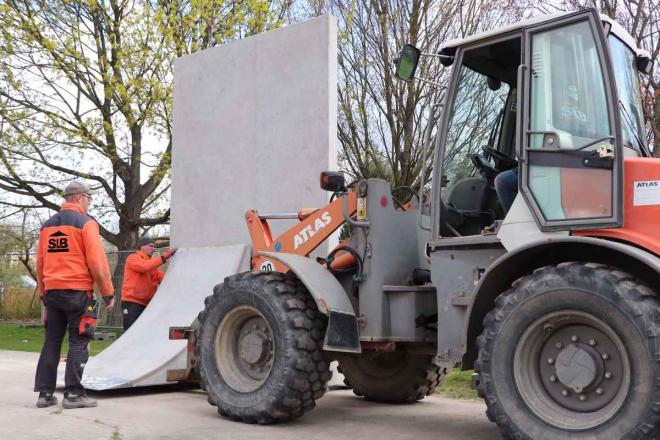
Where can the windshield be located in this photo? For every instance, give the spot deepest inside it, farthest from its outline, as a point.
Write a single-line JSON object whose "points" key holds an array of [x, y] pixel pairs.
{"points": [[630, 96], [474, 124], [568, 93]]}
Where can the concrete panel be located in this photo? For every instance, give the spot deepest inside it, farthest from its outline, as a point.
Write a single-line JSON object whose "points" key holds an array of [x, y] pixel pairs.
{"points": [[254, 125], [143, 354]]}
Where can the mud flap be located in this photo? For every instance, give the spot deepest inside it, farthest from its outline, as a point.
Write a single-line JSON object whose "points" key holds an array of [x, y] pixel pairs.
{"points": [[342, 333]]}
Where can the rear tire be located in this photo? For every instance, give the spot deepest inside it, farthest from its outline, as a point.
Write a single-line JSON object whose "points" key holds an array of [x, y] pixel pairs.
{"points": [[260, 343], [391, 377], [572, 351]]}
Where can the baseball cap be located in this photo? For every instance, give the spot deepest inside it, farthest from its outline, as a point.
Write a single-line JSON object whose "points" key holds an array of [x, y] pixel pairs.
{"points": [[75, 187], [145, 240]]}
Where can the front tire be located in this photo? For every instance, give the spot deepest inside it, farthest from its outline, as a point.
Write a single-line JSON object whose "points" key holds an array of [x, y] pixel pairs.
{"points": [[571, 351], [260, 343]]}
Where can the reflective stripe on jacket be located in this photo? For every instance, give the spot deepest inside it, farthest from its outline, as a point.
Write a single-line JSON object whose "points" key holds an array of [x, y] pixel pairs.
{"points": [[70, 254], [141, 278]]}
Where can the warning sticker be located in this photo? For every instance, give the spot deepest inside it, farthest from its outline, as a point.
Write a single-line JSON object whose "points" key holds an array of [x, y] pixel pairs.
{"points": [[647, 192]]}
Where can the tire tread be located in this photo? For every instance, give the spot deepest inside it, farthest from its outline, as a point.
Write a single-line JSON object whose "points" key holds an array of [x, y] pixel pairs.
{"points": [[307, 369], [640, 299]]}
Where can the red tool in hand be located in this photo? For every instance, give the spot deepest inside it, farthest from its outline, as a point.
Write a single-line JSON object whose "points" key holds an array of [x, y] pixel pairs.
{"points": [[88, 320]]}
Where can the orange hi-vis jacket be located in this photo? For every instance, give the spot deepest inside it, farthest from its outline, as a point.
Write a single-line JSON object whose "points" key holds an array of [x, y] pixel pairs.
{"points": [[141, 278], [70, 254]]}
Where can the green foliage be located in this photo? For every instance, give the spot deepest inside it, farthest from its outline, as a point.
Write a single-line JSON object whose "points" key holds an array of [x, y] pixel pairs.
{"points": [[10, 268], [457, 385], [10, 275], [10, 272], [83, 83], [8, 242]]}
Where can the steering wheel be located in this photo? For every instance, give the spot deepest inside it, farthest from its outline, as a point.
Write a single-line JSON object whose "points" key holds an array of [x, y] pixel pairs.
{"points": [[484, 166], [503, 162], [488, 170]]}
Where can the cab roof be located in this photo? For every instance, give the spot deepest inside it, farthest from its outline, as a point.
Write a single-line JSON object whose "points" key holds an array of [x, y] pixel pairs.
{"points": [[616, 29]]}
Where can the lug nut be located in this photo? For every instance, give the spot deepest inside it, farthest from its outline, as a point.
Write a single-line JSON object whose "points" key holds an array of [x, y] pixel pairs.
{"points": [[583, 397], [553, 378], [564, 393], [608, 375], [574, 338], [599, 391], [551, 361], [605, 356], [558, 345], [592, 342]]}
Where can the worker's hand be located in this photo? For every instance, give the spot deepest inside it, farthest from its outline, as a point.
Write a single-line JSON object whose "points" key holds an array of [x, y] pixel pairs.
{"points": [[109, 304], [169, 253]]}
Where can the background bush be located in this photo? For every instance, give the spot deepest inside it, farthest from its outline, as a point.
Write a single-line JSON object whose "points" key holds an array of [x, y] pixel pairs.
{"points": [[21, 304]]}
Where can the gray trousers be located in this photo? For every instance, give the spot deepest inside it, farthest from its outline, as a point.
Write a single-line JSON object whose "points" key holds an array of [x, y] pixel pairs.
{"points": [[64, 309]]}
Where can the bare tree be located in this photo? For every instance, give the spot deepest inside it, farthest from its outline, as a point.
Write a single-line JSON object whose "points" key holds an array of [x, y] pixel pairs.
{"points": [[382, 120]]}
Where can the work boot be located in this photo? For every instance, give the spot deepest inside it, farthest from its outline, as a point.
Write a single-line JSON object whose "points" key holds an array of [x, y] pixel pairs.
{"points": [[73, 401], [46, 399]]}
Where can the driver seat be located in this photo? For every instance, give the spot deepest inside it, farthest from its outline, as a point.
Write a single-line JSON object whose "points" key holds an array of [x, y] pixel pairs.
{"points": [[472, 205]]}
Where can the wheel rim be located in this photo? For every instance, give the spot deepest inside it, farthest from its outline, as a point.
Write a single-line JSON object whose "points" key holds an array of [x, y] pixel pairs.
{"points": [[572, 370], [244, 349]]}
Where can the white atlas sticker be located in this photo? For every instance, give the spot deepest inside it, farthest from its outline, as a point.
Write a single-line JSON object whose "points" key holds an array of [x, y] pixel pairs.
{"points": [[647, 192], [267, 266]]}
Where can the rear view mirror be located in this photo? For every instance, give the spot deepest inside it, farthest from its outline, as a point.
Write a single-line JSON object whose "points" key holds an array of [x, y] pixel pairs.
{"points": [[332, 181], [644, 64], [406, 62]]}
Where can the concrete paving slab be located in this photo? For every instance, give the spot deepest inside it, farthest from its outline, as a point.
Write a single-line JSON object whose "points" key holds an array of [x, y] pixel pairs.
{"points": [[173, 412]]}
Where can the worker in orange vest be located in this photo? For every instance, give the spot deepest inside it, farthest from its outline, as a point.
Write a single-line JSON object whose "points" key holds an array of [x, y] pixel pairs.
{"points": [[70, 260], [141, 279]]}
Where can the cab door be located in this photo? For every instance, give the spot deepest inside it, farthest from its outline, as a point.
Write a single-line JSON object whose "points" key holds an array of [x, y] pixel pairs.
{"points": [[569, 132]]}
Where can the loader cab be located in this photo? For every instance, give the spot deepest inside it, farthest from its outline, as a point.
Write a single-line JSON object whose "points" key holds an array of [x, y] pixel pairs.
{"points": [[559, 96]]}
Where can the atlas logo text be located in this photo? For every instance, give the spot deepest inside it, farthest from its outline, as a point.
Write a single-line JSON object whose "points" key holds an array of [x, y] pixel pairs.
{"points": [[309, 231]]}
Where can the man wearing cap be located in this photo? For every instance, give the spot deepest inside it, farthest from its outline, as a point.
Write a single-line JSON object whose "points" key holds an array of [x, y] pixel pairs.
{"points": [[70, 260], [141, 279]]}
